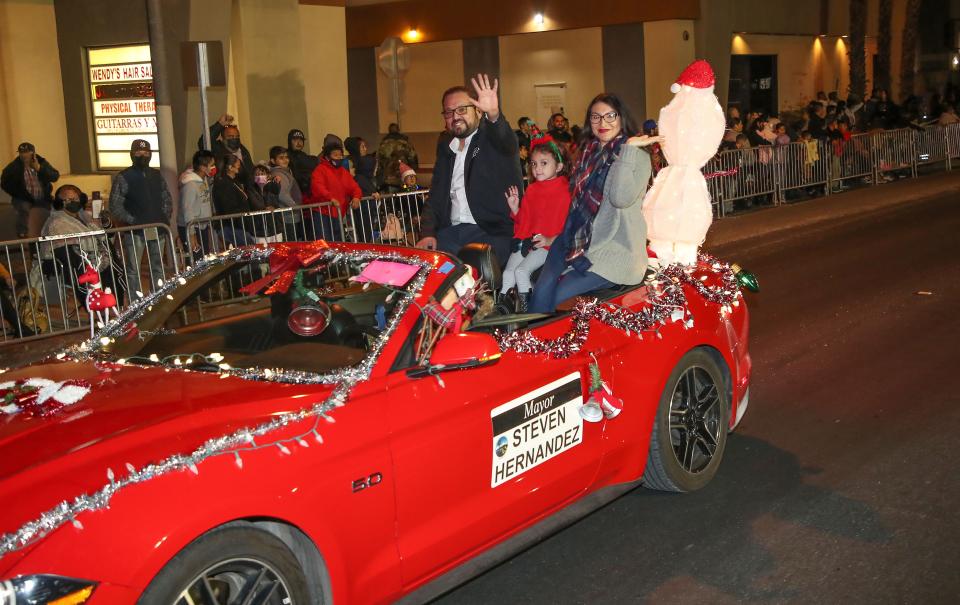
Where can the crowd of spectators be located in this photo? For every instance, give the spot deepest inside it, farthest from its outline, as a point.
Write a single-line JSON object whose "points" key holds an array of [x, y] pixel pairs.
{"points": [[225, 179]]}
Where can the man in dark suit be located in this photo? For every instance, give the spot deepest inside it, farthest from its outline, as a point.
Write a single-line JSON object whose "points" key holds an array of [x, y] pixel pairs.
{"points": [[474, 169]]}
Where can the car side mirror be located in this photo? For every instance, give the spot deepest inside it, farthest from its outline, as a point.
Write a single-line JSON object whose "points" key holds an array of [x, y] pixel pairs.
{"points": [[459, 352]]}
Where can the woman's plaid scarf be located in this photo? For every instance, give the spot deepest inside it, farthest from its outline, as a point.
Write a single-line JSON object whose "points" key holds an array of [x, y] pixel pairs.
{"points": [[586, 193]]}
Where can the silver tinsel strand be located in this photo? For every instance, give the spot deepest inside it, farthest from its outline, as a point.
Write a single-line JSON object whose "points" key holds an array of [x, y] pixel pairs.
{"points": [[666, 298], [243, 439]]}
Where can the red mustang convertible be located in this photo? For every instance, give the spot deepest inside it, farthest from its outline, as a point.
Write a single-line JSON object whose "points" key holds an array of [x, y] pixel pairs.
{"points": [[336, 423]]}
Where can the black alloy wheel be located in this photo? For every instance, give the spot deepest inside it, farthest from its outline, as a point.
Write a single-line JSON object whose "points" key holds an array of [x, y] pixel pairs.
{"points": [[235, 564], [247, 581], [690, 430]]}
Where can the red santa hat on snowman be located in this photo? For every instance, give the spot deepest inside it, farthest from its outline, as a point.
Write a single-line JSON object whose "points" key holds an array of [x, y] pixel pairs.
{"points": [[698, 74]]}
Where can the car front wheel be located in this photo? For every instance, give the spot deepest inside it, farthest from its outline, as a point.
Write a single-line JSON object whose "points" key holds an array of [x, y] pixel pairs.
{"points": [[231, 565], [690, 430]]}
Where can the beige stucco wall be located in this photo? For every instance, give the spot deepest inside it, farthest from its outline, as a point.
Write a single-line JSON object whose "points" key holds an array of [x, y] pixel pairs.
{"points": [[805, 64], [572, 56], [665, 55], [267, 67], [323, 38], [31, 97], [434, 67], [207, 23]]}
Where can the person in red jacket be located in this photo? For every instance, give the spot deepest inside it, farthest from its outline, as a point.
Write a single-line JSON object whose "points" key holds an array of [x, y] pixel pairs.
{"points": [[539, 219], [331, 182]]}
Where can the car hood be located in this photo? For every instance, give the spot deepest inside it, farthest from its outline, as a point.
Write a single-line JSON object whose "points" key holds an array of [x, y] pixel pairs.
{"points": [[132, 415]]}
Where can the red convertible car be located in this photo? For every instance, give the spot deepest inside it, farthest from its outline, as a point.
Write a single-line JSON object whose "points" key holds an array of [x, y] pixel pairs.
{"points": [[335, 423]]}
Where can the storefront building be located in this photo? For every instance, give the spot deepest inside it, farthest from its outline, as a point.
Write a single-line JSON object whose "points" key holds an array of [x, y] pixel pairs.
{"points": [[78, 77]]}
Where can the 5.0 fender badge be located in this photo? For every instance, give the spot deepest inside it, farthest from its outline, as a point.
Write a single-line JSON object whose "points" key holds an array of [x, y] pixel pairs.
{"points": [[369, 481]]}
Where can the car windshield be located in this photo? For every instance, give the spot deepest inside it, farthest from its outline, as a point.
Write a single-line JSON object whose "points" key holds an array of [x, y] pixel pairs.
{"points": [[236, 314]]}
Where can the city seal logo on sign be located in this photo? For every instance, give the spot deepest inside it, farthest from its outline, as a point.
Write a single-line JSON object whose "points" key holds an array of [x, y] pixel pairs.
{"points": [[536, 427]]}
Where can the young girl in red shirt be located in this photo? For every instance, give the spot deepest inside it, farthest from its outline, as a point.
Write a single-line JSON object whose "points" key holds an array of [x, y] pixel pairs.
{"points": [[539, 219]]}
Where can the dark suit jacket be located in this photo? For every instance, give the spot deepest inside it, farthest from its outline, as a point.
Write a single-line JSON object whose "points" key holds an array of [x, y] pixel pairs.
{"points": [[492, 165]]}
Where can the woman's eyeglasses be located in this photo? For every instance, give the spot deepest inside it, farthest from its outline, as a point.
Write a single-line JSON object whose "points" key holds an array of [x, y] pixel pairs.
{"points": [[609, 117], [462, 110]]}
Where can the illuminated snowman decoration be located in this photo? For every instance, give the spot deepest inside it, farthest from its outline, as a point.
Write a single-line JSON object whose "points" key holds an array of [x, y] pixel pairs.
{"points": [[677, 207]]}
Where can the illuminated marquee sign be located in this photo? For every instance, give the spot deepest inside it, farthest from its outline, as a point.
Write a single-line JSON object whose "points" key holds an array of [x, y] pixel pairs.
{"points": [[122, 104]]}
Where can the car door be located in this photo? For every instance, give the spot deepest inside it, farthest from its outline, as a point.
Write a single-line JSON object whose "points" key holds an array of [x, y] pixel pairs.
{"points": [[480, 453]]}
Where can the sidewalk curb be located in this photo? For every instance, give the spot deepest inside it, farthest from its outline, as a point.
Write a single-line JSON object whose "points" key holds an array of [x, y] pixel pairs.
{"points": [[838, 206]]}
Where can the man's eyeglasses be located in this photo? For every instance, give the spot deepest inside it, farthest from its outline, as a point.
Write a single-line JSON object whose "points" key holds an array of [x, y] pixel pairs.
{"points": [[462, 110], [609, 117]]}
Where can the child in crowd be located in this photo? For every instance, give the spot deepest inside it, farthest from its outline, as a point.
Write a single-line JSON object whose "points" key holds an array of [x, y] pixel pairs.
{"points": [[196, 204], [408, 176], [287, 195], [539, 220], [782, 137]]}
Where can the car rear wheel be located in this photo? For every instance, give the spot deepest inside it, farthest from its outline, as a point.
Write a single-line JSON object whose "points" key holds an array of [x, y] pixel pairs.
{"points": [[690, 430], [231, 565]]}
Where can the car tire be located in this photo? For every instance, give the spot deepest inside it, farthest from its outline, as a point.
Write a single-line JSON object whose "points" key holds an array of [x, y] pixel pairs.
{"points": [[224, 565], [685, 453]]}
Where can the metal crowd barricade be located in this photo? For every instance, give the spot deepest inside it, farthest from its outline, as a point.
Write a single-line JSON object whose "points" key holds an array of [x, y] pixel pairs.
{"points": [[743, 174], [952, 132], [389, 219], [45, 297], [222, 232], [855, 160], [895, 152], [713, 186], [931, 146], [800, 167]]}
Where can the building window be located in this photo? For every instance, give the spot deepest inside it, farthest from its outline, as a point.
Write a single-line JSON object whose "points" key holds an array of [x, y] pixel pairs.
{"points": [[122, 103]]}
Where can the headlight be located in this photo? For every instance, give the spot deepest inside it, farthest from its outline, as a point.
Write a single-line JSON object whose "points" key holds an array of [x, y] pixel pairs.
{"points": [[45, 589]]}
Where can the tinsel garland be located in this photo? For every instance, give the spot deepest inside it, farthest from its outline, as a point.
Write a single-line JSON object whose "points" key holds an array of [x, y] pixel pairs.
{"points": [[667, 301], [243, 439]]}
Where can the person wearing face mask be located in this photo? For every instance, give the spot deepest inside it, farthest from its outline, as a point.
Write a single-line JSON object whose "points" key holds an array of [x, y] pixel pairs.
{"points": [[331, 182], [140, 197], [65, 256], [301, 162], [225, 139], [195, 203]]}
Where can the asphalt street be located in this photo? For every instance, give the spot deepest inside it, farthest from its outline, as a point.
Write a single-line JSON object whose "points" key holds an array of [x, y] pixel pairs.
{"points": [[841, 484]]}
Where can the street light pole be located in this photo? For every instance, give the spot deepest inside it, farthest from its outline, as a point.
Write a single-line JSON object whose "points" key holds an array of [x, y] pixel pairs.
{"points": [[161, 91]]}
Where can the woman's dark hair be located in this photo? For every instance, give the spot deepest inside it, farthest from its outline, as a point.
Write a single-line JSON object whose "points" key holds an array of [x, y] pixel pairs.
{"points": [[57, 203], [628, 124], [227, 160], [201, 158]]}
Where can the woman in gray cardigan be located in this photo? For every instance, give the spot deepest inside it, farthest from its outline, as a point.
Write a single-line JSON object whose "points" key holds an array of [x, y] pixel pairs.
{"points": [[604, 241]]}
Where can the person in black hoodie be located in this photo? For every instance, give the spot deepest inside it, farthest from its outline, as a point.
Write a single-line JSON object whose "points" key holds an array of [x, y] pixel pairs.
{"points": [[301, 162], [139, 196], [473, 170], [225, 139]]}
